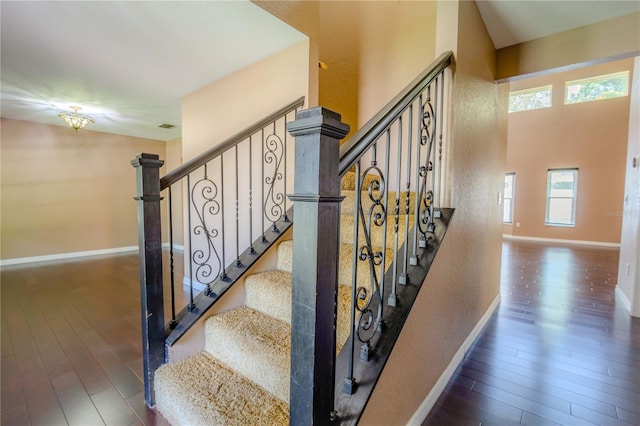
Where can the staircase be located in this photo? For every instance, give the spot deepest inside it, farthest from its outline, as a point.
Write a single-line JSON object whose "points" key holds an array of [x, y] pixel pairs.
{"points": [[393, 181], [242, 375]]}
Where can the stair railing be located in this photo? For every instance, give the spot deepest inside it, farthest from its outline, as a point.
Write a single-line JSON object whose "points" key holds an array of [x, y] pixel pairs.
{"points": [[397, 162], [233, 205]]}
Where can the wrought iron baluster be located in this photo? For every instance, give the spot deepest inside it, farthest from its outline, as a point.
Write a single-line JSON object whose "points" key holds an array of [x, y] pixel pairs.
{"points": [[172, 322], [191, 306], [274, 200], [424, 221], [350, 381], [238, 263], [441, 118], [396, 278], [223, 274], [434, 209], [262, 204], [368, 321], [285, 217], [414, 257], [252, 250], [405, 258]]}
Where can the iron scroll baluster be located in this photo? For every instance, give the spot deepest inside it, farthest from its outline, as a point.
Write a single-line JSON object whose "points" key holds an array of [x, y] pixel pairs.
{"points": [[207, 261]]}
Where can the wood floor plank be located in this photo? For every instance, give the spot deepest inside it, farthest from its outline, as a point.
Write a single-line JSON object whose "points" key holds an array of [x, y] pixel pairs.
{"points": [[76, 404], [560, 346]]}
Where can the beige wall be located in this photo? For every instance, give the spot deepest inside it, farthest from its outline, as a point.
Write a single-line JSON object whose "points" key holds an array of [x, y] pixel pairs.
{"points": [[591, 136], [66, 192], [629, 269], [397, 43], [615, 38], [464, 279], [303, 16], [225, 107], [172, 161]]}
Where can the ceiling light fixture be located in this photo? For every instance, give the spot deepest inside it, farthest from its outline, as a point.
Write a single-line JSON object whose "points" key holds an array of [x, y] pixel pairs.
{"points": [[74, 119]]}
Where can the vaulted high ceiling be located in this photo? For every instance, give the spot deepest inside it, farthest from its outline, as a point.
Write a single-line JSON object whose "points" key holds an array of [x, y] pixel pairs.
{"points": [[129, 63]]}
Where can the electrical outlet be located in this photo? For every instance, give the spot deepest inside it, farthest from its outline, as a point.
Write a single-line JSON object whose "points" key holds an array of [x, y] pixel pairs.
{"points": [[517, 224], [636, 161]]}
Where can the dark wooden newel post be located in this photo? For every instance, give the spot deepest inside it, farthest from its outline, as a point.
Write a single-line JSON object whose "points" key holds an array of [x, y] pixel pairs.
{"points": [[150, 243], [316, 221]]}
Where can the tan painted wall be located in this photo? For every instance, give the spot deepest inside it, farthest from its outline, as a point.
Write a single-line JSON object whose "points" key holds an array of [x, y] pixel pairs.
{"points": [[615, 38], [397, 43], [64, 192], [303, 16], [173, 160], [225, 107], [464, 279], [629, 279], [591, 136]]}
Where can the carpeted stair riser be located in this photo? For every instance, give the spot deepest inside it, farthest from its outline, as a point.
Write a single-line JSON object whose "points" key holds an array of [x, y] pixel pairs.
{"points": [[254, 345], [202, 391], [345, 271], [262, 287], [346, 231], [347, 207]]}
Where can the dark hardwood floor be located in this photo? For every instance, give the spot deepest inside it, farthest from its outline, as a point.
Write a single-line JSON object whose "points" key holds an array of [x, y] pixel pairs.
{"points": [[559, 350], [71, 348]]}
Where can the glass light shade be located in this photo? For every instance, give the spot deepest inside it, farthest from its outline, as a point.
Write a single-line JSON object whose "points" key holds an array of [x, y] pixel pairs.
{"points": [[74, 119]]}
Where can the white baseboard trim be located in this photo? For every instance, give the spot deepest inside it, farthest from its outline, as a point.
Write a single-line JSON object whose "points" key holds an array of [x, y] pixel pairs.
{"points": [[197, 286], [176, 247], [423, 411], [560, 241], [65, 256], [625, 300]]}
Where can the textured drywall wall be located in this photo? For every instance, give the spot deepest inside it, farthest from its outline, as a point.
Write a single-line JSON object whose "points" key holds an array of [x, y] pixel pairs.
{"points": [[591, 136], [629, 268], [66, 192], [465, 277], [614, 38]]}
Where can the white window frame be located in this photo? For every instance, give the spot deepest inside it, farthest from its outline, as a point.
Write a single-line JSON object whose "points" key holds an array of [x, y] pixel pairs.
{"points": [[529, 91], [569, 84], [505, 197], [573, 197]]}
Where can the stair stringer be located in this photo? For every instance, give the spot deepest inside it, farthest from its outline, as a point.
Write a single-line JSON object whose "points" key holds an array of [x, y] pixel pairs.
{"points": [[193, 341]]}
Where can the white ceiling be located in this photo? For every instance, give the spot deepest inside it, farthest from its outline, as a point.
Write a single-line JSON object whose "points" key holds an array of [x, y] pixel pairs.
{"points": [[129, 63], [511, 22], [126, 63]]}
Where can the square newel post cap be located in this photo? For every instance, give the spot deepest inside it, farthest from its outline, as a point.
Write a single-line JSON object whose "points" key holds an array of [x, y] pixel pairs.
{"points": [[147, 160], [318, 120]]}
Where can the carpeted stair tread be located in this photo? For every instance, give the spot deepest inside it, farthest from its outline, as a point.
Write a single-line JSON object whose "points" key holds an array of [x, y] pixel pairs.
{"points": [[200, 390], [346, 231], [254, 345], [347, 207], [285, 255], [270, 293]]}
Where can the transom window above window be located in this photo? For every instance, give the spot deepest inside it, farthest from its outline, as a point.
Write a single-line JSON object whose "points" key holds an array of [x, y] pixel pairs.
{"points": [[596, 88], [525, 100]]}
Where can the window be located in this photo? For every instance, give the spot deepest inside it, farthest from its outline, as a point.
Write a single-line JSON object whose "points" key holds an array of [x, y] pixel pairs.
{"points": [[507, 213], [524, 100], [596, 88], [562, 187]]}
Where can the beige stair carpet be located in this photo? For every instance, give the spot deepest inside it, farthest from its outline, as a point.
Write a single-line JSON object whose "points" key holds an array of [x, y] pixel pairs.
{"points": [[345, 267], [254, 345], [202, 391], [270, 293]]}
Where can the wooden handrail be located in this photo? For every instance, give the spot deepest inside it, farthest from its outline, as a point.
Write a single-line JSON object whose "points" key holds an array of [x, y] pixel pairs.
{"points": [[362, 140], [196, 162]]}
